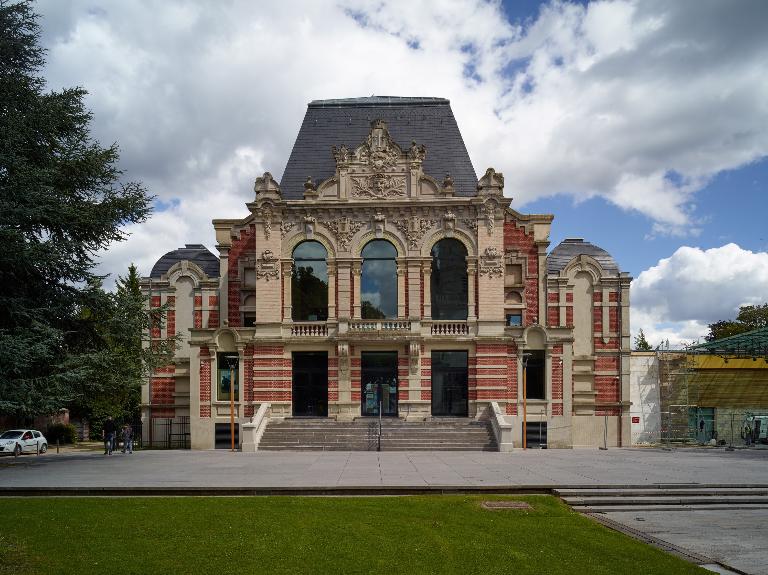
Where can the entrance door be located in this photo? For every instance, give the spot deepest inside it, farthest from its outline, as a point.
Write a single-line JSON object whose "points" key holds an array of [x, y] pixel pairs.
{"points": [[449, 383], [310, 384], [378, 382]]}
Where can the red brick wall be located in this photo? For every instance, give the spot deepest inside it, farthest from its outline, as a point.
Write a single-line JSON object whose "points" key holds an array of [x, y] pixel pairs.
{"points": [[275, 380], [354, 376], [516, 238], [205, 382], [426, 377], [163, 387], [197, 313], [333, 378], [511, 379], [243, 245], [248, 410], [213, 311]]}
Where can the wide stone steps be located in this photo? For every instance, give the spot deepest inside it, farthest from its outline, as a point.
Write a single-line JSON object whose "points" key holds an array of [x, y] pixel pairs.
{"points": [[665, 499], [362, 435]]}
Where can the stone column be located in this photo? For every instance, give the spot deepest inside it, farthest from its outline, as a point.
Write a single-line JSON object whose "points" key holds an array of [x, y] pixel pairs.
{"points": [[426, 274], [287, 277], [332, 290], [401, 271], [223, 283], [357, 272], [342, 286], [471, 296]]}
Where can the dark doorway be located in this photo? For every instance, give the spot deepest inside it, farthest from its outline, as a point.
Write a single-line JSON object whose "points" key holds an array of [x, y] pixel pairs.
{"points": [[535, 385], [378, 382], [310, 384], [450, 382]]}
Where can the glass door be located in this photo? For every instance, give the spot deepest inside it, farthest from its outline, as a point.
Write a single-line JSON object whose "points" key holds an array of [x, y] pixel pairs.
{"points": [[450, 383], [378, 383], [310, 384]]}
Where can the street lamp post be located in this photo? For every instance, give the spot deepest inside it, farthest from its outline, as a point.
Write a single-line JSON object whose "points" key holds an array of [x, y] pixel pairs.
{"points": [[232, 361], [525, 399]]}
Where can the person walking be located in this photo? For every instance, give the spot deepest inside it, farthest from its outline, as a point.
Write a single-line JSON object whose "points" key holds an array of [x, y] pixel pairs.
{"points": [[127, 438], [109, 436]]}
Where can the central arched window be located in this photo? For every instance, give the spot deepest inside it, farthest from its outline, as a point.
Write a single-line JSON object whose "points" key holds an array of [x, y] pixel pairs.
{"points": [[448, 287], [378, 284], [309, 286]]}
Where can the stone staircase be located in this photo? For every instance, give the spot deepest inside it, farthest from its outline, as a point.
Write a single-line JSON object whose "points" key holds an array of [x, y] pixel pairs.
{"points": [[438, 434], [673, 497]]}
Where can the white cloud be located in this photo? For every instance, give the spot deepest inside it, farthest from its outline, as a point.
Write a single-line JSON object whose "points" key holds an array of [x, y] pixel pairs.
{"points": [[639, 102], [677, 298]]}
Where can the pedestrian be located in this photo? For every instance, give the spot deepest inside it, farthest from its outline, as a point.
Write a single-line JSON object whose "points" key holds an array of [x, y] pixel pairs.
{"points": [[127, 438], [109, 436], [748, 435]]}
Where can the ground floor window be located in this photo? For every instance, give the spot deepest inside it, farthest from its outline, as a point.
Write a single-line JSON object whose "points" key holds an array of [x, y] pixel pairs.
{"points": [[450, 383], [378, 383], [535, 375], [228, 365], [310, 384]]}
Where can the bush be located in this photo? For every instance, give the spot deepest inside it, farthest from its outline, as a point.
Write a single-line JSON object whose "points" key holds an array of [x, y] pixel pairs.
{"points": [[64, 432]]}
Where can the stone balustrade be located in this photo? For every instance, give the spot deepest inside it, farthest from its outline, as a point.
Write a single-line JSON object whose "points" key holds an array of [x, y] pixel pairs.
{"points": [[377, 325], [309, 329], [452, 328]]}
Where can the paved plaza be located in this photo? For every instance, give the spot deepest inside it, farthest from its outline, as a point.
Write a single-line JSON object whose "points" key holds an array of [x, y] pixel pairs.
{"points": [[731, 536], [531, 468]]}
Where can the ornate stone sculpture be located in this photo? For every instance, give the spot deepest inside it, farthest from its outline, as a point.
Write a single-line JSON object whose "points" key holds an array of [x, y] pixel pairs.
{"points": [[267, 215], [266, 267], [490, 216], [285, 228], [378, 186], [344, 229], [414, 229], [491, 263]]}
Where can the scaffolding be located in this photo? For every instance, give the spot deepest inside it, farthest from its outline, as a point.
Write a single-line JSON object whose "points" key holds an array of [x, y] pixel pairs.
{"points": [[704, 399]]}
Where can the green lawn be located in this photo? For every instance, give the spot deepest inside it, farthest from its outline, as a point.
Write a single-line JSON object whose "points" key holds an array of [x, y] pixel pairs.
{"points": [[433, 534]]}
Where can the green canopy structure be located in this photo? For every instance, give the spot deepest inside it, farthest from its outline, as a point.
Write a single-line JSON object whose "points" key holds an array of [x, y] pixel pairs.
{"points": [[751, 344]]}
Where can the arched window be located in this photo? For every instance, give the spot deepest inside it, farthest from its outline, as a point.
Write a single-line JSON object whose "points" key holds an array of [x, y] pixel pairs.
{"points": [[309, 286], [378, 284], [449, 280]]}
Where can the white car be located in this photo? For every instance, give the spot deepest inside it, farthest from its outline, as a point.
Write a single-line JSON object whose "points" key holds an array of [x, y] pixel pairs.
{"points": [[18, 441]]}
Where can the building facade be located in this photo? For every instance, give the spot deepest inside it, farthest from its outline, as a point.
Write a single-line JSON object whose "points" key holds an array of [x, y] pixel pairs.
{"points": [[381, 275]]}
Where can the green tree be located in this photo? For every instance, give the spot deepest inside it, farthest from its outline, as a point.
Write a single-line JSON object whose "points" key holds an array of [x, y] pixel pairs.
{"points": [[641, 344], [749, 317], [62, 199]]}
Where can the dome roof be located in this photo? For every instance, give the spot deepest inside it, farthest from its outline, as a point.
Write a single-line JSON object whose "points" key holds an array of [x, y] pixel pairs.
{"points": [[196, 253], [570, 248]]}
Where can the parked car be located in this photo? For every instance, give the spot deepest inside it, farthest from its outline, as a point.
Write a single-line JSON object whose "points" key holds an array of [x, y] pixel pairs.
{"points": [[18, 441]]}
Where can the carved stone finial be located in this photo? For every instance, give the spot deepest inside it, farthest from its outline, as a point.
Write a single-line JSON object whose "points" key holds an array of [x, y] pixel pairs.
{"points": [[266, 186], [341, 155], [448, 181], [416, 154], [310, 190], [492, 183]]}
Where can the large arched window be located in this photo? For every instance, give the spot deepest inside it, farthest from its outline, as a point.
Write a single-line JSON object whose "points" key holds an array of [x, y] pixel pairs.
{"points": [[309, 286], [449, 280], [378, 284]]}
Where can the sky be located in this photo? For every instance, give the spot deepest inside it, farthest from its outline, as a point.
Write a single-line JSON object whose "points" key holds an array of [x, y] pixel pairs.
{"points": [[641, 125]]}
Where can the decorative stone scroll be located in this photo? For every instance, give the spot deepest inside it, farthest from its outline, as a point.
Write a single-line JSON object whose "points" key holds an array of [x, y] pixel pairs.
{"points": [[490, 216], [491, 263], [449, 223], [413, 357], [344, 229], [285, 228], [267, 266], [414, 229], [267, 215], [309, 225]]}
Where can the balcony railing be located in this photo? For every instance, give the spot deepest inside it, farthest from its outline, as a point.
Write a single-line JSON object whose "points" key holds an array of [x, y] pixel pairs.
{"points": [[309, 329], [375, 325], [442, 327]]}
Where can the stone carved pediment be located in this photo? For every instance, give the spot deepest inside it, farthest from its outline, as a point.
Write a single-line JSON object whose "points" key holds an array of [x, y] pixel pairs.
{"points": [[344, 229], [378, 167]]}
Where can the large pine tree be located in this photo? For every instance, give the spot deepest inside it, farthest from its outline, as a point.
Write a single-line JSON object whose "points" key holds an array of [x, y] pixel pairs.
{"points": [[62, 199]]}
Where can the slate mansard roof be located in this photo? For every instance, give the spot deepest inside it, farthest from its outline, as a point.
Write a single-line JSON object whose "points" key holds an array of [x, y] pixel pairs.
{"points": [[196, 253], [570, 248], [427, 121]]}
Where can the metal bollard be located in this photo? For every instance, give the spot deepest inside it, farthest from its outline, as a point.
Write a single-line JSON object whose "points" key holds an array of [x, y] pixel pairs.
{"points": [[57, 445]]}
